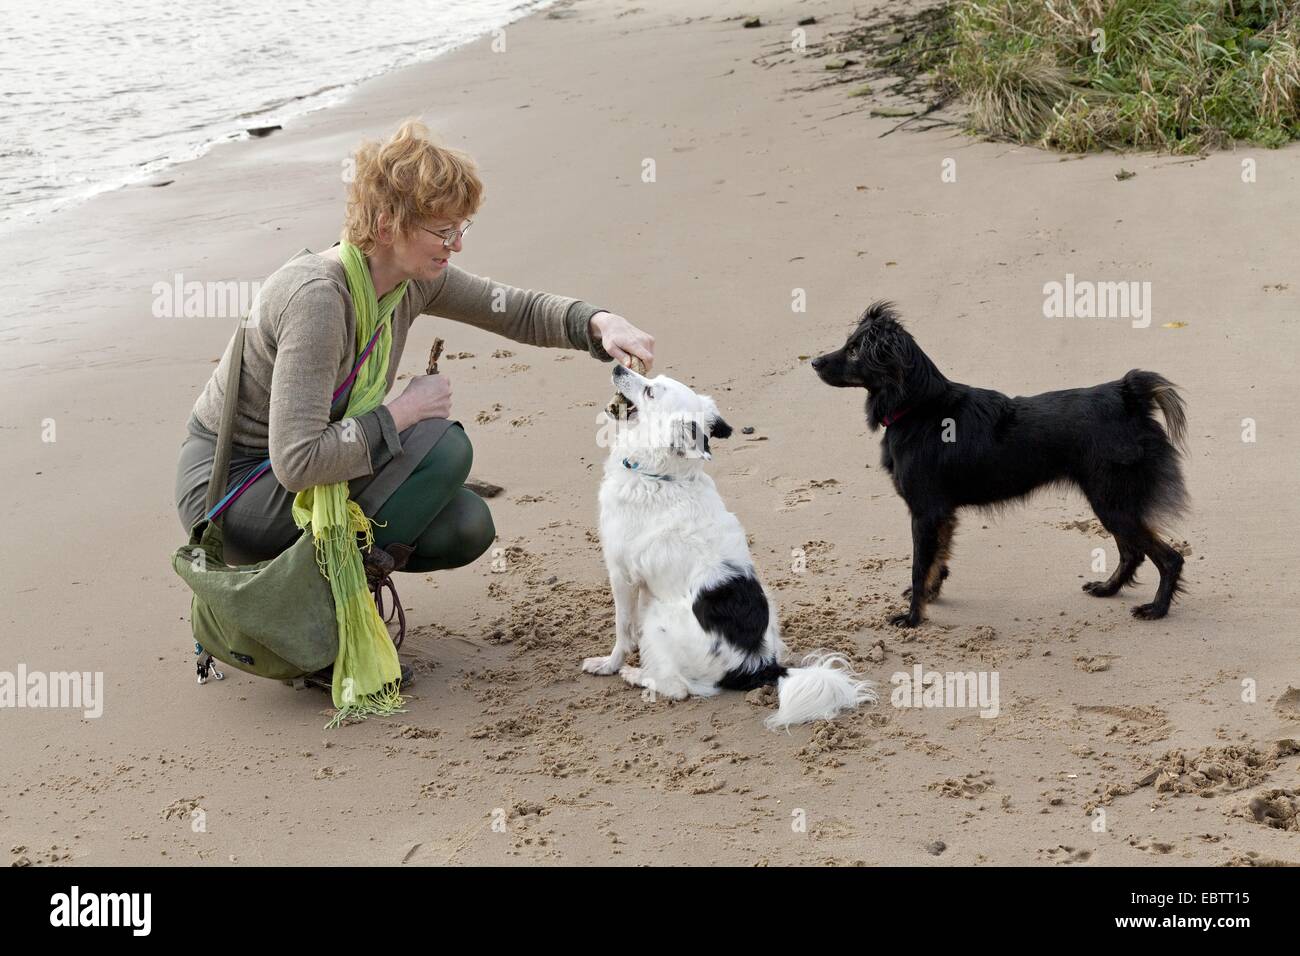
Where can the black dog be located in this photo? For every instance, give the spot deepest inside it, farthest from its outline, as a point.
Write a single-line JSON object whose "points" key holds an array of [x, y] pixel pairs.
{"points": [[948, 445]]}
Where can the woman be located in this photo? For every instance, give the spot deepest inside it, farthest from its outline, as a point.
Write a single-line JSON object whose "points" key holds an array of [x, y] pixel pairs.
{"points": [[404, 462]]}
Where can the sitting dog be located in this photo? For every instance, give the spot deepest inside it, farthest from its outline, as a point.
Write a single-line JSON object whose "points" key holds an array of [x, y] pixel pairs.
{"points": [[685, 590], [947, 446]]}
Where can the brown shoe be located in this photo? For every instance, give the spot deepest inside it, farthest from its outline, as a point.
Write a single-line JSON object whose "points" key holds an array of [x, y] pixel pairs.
{"points": [[378, 565], [401, 553], [379, 562]]}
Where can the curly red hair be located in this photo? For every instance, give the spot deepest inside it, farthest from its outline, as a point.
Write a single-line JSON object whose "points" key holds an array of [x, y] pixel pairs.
{"points": [[409, 178]]}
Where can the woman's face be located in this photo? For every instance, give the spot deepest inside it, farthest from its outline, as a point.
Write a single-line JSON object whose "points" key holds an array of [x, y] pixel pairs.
{"points": [[420, 254]]}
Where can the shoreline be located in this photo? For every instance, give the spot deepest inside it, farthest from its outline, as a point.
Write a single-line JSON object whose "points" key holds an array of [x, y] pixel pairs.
{"points": [[323, 98], [762, 190]]}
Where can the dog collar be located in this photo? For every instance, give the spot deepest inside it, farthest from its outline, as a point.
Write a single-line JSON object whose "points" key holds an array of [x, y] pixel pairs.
{"points": [[890, 419], [645, 474]]}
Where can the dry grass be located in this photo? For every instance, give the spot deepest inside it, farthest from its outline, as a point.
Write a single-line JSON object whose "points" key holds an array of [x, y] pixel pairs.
{"points": [[1077, 75]]}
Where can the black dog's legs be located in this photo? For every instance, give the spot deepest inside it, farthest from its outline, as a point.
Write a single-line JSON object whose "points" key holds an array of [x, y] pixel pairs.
{"points": [[926, 536], [1170, 563], [1130, 556], [1136, 539], [938, 572]]}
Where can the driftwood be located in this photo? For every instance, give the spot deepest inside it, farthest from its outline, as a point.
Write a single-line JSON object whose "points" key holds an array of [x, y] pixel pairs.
{"points": [[484, 489], [435, 353]]}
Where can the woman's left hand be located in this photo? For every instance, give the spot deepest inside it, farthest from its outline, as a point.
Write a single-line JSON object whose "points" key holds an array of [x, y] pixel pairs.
{"points": [[621, 339]]}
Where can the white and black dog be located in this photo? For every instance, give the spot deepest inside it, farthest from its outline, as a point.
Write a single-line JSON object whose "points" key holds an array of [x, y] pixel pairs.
{"points": [[685, 590]]}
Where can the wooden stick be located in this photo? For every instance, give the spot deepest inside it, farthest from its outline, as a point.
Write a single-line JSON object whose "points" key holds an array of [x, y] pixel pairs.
{"points": [[434, 354], [617, 407]]}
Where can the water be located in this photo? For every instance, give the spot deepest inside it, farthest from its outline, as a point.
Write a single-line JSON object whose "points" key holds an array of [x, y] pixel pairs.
{"points": [[94, 95]]}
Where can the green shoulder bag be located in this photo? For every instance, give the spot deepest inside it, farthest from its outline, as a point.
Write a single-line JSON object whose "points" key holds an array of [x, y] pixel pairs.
{"points": [[275, 618]]}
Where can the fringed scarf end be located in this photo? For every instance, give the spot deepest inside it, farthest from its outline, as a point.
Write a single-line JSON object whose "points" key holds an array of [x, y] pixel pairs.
{"points": [[382, 703]]}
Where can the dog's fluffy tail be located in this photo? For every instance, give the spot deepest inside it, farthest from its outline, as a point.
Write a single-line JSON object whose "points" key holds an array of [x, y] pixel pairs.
{"points": [[820, 688], [1150, 387]]}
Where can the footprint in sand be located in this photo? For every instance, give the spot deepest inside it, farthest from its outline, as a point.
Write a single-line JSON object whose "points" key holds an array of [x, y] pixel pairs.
{"points": [[801, 492], [1086, 525], [1095, 663], [1066, 855], [968, 787], [1277, 808], [1288, 705], [1151, 845], [182, 809], [796, 498], [1253, 858]]}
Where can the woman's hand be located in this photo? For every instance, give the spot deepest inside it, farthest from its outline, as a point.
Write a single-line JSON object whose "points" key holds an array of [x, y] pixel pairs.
{"points": [[621, 339], [425, 396]]}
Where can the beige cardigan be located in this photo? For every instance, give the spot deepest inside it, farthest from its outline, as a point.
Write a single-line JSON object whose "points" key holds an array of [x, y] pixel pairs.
{"points": [[301, 345]]}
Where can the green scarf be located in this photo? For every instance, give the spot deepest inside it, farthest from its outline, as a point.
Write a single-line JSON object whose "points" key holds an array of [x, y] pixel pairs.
{"points": [[367, 676]]}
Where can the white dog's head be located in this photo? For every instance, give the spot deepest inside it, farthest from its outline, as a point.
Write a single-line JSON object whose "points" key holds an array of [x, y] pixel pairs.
{"points": [[668, 426]]}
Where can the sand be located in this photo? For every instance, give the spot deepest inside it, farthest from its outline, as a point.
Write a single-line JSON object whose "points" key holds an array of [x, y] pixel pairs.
{"points": [[508, 754]]}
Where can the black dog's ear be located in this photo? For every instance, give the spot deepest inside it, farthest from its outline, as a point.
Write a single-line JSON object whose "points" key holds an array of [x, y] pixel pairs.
{"points": [[887, 353], [900, 357], [718, 429]]}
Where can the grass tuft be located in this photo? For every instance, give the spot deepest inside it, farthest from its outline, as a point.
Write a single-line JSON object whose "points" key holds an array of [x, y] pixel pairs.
{"points": [[1180, 76]]}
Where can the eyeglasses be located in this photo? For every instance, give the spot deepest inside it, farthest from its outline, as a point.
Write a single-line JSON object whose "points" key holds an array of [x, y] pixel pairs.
{"points": [[450, 236]]}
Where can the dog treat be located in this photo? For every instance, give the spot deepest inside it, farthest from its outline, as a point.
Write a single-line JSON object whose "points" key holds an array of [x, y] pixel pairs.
{"points": [[617, 407], [434, 354]]}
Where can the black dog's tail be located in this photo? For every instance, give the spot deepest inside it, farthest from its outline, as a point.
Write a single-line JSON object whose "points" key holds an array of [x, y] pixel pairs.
{"points": [[1152, 388]]}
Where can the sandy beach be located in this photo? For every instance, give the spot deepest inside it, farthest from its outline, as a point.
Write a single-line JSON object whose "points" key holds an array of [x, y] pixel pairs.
{"points": [[763, 188]]}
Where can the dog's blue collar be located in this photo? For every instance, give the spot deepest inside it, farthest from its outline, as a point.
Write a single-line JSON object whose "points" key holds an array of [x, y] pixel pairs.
{"points": [[645, 474]]}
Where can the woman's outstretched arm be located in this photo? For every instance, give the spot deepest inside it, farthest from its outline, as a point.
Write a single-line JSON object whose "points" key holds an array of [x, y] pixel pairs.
{"points": [[534, 318]]}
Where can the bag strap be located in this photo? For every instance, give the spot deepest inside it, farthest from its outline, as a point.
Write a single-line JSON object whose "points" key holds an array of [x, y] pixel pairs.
{"points": [[225, 431], [218, 499]]}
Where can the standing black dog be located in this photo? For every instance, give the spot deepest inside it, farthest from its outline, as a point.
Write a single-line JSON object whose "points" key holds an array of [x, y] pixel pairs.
{"points": [[948, 445]]}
